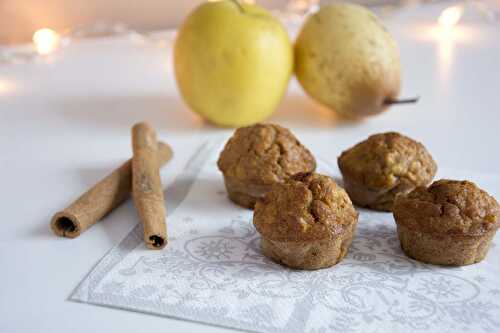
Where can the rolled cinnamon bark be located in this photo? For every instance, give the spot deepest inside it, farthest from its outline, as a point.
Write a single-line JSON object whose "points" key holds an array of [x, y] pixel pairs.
{"points": [[146, 186], [101, 199]]}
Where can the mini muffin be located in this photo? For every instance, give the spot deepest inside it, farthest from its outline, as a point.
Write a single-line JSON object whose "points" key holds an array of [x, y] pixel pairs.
{"points": [[382, 166], [258, 156], [449, 223], [307, 222]]}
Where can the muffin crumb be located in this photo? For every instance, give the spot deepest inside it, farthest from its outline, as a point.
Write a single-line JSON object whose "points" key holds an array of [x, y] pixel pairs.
{"points": [[306, 222], [449, 223], [257, 156], [383, 166]]}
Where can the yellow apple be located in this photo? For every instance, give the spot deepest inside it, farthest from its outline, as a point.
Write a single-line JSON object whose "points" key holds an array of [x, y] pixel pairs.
{"points": [[346, 60], [232, 62]]}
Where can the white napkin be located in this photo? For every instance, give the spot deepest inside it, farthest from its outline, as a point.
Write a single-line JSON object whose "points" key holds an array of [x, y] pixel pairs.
{"points": [[212, 271]]}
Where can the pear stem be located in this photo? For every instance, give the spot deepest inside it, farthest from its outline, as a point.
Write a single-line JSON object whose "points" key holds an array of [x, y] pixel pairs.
{"points": [[391, 101], [238, 4]]}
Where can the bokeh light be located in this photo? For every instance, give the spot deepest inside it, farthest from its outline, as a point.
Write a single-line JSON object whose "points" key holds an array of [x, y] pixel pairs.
{"points": [[46, 41]]}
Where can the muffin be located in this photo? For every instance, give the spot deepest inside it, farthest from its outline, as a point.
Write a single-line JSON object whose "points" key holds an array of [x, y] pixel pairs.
{"points": [[382, 166], [449, 223], [307, 222], [258, 156]]}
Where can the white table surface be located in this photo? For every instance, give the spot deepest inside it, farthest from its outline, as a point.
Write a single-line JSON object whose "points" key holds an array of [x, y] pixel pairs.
{"points": [[65, 121]]}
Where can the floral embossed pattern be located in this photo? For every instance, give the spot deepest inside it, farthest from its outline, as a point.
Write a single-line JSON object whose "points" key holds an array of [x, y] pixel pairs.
{"points": [[212, 271]]}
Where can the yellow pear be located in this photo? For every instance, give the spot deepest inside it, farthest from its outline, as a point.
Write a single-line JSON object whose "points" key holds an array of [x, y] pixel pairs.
{"points": [[232, 62], [347, 60]]}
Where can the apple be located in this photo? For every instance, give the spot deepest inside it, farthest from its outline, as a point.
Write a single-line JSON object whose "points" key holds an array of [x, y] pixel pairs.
{"points": [[232, 62]]}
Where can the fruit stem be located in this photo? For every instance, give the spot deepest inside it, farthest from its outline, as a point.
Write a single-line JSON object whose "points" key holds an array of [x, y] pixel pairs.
{"points": [[238, 4], [391, 101]]}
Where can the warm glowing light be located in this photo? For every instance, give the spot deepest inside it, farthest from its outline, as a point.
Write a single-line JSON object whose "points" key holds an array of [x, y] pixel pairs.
{"points": [[460, 33], [450, 16], [6, 87], [3, 87], [46, 41]]}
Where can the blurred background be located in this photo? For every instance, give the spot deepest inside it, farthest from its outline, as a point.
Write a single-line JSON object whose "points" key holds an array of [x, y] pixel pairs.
{"points": [[20, 18]]}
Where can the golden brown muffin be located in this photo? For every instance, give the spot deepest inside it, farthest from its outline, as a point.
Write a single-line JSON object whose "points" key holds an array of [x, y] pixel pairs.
{"points": [[307, 222], [258, 156], [382, 166], [449, 223]]}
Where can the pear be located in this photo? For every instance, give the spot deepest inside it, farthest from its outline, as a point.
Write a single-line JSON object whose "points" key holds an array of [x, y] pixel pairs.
{"points": [[348, 61]]}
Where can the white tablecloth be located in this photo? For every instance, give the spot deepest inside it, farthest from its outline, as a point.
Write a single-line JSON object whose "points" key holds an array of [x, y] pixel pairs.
{"points": [[213, 271], [65, 121]]}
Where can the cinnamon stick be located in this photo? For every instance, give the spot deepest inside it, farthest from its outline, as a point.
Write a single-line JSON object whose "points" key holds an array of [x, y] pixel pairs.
{"points": [[101, 199], [146, 186]]}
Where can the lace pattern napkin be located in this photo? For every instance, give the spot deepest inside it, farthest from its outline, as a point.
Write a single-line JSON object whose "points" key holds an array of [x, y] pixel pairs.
{"points": [[213, 272]]}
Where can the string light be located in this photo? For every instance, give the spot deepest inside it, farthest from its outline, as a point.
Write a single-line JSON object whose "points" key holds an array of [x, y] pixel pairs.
{"points": [[46, 41], [450, 16], [302, 6], [6, 87]]}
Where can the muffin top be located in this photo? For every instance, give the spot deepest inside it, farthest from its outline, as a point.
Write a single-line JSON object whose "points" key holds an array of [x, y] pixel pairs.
{"points": [[264, 154], [307, 206], [448, 207], [383, 160]]}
